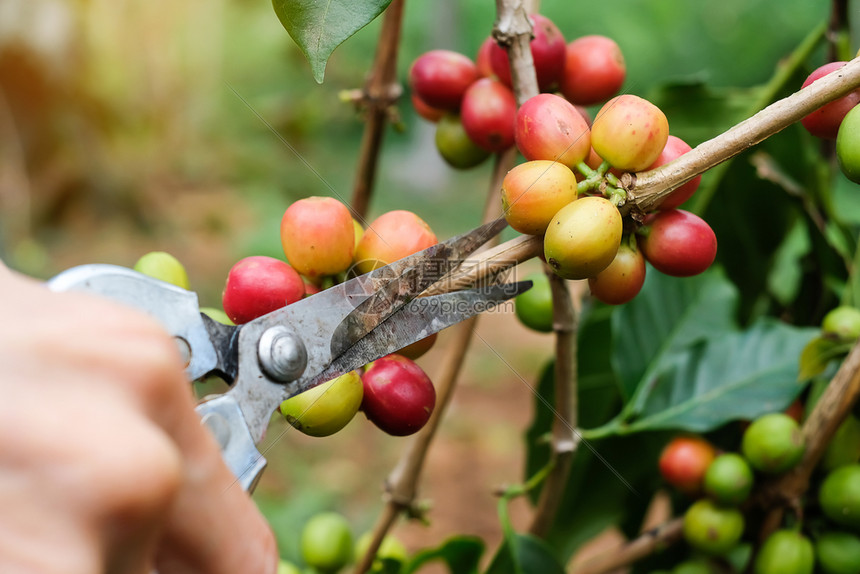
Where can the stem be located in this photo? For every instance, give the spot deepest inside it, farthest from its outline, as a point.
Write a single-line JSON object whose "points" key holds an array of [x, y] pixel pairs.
{"points": [[649, 187], [380, 93], [402, 483], [564, 439], [513, 31], [490, 262], [635, 550], [838, 32]]}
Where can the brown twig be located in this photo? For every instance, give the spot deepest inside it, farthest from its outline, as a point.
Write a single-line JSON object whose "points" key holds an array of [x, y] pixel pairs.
{"points": [[564, 439], [645, 190], [513, 31], [380, 93], [635, 550], [402, 484]]}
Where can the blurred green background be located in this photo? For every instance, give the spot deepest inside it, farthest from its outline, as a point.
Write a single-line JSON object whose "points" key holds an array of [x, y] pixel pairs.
{"points": [[130, 126]]}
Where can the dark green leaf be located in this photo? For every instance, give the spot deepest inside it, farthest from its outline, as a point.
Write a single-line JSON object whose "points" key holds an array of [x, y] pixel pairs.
{"points": [[818, 353], [699, 112], [320, 26], [740, 375], [461, 553], [669, 315], [533, 556], [608, 485]]}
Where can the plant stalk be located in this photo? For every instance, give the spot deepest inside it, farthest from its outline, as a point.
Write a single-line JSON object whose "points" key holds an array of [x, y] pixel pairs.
{"points": [[381, 92], [402, 484], [564, 438], [645, 190]]}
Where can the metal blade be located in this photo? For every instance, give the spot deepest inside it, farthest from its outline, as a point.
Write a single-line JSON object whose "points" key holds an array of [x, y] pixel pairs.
{"points": [[317, 318], [175, 308], [409, 283], [416, 320]]}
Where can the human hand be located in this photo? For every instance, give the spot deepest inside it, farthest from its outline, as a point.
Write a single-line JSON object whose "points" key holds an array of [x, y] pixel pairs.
{"points": [[104, 465]]}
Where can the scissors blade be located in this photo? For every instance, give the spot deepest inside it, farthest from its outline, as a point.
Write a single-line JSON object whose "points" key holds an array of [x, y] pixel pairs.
{"points": [[416, 320], [317, 318], [408, 282]]}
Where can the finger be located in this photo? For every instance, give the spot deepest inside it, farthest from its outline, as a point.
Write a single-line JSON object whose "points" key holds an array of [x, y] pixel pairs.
{"points": [[214, 526]]}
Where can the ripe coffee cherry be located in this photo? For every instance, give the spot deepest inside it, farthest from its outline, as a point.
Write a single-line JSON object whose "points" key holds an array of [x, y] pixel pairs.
{"points": [[548, 53], [594, 70], [549, 127], [785, 552], [455, 146], [773, 443], [488, 111], [164, 267], [318, 236], [848, 145], [392, 236], [258, 285], [441, 77], [678, 243], [327, 408], [675, 148], [398, 396], [824, 122], [684, 461], [583, 238], [629, 132], [712, 529], [533, 192], [623, 279], [485, 66], [729, 479], [425, 110]]}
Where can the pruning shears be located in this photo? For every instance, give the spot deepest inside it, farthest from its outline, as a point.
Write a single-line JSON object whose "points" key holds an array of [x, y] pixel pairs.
{"points": [[304, 344]]}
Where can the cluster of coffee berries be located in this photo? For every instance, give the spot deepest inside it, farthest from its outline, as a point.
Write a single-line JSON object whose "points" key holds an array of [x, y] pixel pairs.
{"points": [[472, 101], [714, 525], [324, 245]]}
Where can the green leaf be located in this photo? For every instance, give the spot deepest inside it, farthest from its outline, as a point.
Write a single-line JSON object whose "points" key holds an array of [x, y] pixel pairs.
{"points": [[785, 277], [738, 376], [533, 556], [608, 485], [320, 26], [461, 553], [699, 112], [668, 316], [818, 353]]}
